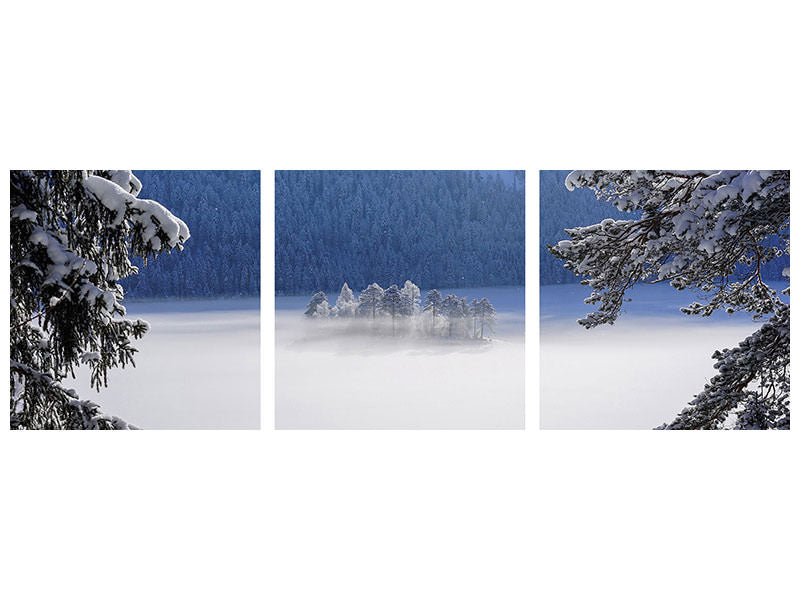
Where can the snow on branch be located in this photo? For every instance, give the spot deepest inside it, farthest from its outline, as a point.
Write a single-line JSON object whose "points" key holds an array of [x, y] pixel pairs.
{"points": [[697, 229], [73, 234], [753, 383], [711, 231], [151, 221]]}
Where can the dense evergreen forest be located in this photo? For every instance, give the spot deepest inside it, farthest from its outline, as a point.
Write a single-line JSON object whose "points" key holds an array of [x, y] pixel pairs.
{"points": [[560, 209], [444, 229], [222, 257]]}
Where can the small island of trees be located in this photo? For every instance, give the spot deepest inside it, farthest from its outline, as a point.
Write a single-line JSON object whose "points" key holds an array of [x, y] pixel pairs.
{"points": [[436, 315]]}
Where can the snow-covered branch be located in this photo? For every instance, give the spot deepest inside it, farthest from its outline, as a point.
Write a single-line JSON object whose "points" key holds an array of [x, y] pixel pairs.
{"points": [[72, 237], [711, 231], [695, 229]]}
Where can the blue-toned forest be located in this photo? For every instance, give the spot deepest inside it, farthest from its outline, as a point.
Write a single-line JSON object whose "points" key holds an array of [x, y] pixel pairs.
{"points": [[222, 257], [446, 229]]}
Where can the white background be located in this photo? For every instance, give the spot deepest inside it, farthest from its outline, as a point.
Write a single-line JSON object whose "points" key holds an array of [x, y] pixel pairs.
{"points": [[484, 85]]}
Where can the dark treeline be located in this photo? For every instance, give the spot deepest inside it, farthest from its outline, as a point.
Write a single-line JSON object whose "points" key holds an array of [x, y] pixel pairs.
{"points": [[561, 209], [223, 255], [438, 228]]}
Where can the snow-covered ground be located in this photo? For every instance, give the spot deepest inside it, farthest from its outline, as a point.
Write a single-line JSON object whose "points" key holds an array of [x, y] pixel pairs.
{"points": [[636, 374], [328, 378], [197, 368]]}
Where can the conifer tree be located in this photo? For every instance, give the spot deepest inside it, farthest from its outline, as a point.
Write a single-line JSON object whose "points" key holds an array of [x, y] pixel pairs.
{"points": [[346, 302], [318, 307], [473, 313], [391, 304], [452, 309], [463, 317], [411, 294], [485, 315], [369, 300], [433, 305], [714, 232], [73, 234]]}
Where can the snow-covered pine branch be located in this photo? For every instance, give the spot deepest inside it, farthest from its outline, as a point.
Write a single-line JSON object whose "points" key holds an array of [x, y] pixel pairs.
{"points": [[72, 236], [711, 231], [752, 388]]}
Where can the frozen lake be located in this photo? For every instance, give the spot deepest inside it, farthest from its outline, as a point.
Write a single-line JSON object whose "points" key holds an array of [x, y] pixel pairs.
{"points": [[327, 378], [636, 374], [197, 367]]}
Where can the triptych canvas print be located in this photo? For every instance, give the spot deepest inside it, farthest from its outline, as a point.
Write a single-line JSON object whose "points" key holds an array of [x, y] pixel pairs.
{"points": [[399, 299], [354, 324]]}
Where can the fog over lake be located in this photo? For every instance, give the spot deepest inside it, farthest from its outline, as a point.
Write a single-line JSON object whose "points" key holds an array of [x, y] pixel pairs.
{"points": [[197, 368], [345, 375]]}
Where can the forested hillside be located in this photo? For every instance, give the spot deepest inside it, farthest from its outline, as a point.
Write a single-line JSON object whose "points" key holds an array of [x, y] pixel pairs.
{"points": [[222, 257], [437, 228]]}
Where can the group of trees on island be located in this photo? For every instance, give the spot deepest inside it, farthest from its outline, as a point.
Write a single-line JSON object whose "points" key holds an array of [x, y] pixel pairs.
{"points": [[435, 315]]}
